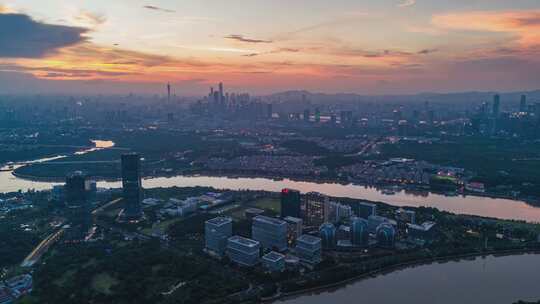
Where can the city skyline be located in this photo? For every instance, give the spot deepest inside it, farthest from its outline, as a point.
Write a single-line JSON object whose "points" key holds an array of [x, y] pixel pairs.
{"points": [[365, 47]]}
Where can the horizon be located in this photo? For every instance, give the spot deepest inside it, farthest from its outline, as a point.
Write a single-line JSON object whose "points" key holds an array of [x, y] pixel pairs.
{"points": [[391, 47]]}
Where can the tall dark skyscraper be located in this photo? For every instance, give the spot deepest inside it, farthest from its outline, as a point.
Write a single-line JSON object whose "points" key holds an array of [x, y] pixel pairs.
{"points": [[78, 207], [290, 203], [131, 183], [523, 104], [168, 92], [496, 106]]}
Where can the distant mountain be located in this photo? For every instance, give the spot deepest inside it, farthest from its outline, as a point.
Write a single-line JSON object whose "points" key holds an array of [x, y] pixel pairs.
{"points": [[458, 97]]}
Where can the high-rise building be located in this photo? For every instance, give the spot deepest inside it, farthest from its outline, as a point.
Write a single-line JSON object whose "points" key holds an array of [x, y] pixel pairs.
{"points": [[386, 235], [131, 184], [496, 105], [335, 212], [306, 115], [365, 210], [216, 233], [327, 232], [523, 104], [243, 251], [359, 232], [290, 203], [308, 249], [315, 204], [221, 96], [270, 232], [317, 115], [79, 213]]}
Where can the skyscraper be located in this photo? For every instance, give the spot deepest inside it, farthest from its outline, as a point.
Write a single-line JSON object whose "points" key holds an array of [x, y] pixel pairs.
{"points": [[221, 96], [78, 208], [315, 205], [523, 104], [290, 203], [131, 184], [496, 105], [168, 92]]}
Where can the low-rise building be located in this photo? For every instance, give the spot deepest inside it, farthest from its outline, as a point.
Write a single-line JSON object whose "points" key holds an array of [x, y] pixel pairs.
{"points": [[270, 232], [308, 249], [274, 261], [243, 251], [216, 233]]}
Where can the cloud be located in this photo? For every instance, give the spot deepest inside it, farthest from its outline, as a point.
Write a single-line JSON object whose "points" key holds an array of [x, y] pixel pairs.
{"points": [[160, 9], [524, 25], [426, 51], [23, 37], [89, 18], [241, 38], [407, 3]]}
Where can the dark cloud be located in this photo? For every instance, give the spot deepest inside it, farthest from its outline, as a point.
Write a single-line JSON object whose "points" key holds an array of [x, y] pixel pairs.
{"points": [[250, 55], [23, 37], [241, 38], [427, 51], [160, 9]]}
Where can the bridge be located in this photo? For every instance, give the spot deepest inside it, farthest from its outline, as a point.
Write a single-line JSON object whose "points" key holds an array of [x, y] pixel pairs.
{"points": [[36, 254]]}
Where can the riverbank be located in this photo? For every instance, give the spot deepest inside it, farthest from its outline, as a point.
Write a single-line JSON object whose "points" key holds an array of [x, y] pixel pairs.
{"points": [[208, 173], [393, 268]]}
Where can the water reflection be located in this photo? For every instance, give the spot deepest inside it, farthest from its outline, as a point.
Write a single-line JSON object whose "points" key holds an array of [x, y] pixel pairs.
{"points": [[489, 280]]}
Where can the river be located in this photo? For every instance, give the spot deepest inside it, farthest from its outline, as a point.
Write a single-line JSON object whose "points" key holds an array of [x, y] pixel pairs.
{"points": [[489, 280], [473, 205]]}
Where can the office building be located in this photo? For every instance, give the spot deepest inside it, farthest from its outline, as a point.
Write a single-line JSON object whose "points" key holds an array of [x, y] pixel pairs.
{"points": [[243, 251], [309, 249], [294, 229], [496, 106], [79, 212], [386, 235], [216, 233], [131, 184], [315, 204], [359, 232], [270, 232], [290, 203], [523, 104], [336, 212], [306, 115], [365, 210], [327, 232], [274, 261]]}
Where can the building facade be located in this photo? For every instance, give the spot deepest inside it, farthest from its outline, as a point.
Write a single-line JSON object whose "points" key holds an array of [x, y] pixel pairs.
{"points": [[243, 251], [270, 232], [216, 233]]}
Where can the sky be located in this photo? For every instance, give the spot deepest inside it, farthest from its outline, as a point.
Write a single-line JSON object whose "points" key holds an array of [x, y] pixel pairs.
{"points": [[263, 46]]}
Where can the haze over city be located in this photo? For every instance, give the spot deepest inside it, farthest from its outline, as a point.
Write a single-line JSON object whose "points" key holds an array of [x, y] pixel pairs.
{"points": [[262, 47], [251, 151]]}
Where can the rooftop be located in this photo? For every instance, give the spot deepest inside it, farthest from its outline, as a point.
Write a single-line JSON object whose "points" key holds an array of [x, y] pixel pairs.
{"points": [[218, 221], [273, 256], [270, 220], [243, 241], [292, 219], [306, 238]]}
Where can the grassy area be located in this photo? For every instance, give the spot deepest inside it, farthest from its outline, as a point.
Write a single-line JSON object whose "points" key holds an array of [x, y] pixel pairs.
{"points": [[162, 226], [103, 282], [267, 203]]}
